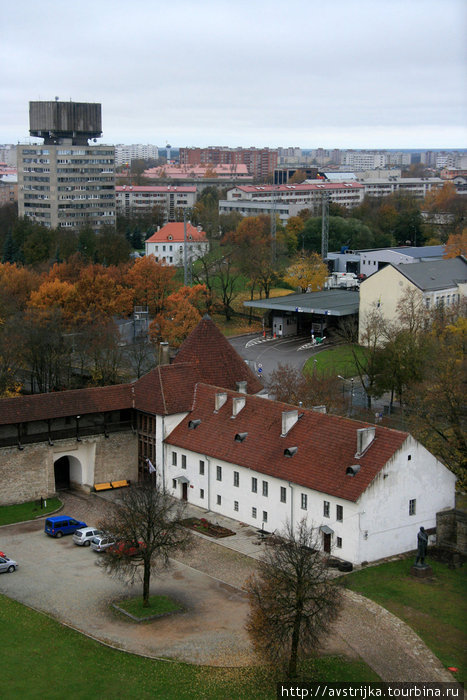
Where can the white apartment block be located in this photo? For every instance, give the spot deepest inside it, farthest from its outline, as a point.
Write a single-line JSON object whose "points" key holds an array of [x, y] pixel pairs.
{"points": [[134, 199], [137, 151], [305, 196]]}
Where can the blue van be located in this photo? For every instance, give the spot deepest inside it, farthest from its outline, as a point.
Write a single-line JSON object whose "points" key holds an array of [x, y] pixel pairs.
{"points": [[62, 525]]}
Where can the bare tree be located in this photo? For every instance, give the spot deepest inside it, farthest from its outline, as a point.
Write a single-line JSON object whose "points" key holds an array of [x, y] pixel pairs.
{"points": [[292, 599], [146, 524]]}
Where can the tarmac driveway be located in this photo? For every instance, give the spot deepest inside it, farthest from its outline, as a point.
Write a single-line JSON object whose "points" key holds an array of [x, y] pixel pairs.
{"points": [[64, 580]]}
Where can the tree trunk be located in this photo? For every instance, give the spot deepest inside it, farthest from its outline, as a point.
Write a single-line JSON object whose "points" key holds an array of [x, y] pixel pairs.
{"points": [[146, 579], [292, 672]]}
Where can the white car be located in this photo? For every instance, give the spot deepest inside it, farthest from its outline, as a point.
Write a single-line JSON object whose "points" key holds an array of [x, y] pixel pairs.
{"points": [[7, 564], [102, 542], [84, 535]]}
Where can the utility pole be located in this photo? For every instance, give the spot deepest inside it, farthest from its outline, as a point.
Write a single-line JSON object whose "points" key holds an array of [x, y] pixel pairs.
{"points": [[324, 226], [273, 226], [186, 260]]}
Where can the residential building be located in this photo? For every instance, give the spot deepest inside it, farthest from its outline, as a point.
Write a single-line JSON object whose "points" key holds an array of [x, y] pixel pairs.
{"points": [[438, 283], [65, 182], [203, 171], [132, 200], [124, 154], [218, 444], [259, 161], [306, 195], [168, 243]]}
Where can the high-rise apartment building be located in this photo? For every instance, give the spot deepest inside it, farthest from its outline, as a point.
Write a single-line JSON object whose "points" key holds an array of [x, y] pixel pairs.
{"points": [[136, 151], [259, 161], [66, 182]]}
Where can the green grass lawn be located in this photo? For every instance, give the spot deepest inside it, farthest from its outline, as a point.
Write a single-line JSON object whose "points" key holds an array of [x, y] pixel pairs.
{"points": [[435, 609], [338, 360], [158, 605], [61, 662], [27, 511]]}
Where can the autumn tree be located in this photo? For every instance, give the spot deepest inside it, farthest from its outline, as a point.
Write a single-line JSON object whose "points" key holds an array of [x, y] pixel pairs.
{"points": [[308, 272], [292, 600], [54, 294], [147, 525], [456, 245], [99, 296], [436, 407], [10, 341], [181, 315], [16, 284], [97, 344], [150, 283]]}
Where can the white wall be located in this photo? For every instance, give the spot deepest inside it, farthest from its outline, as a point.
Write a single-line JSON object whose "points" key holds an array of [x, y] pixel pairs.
{"points": [[386, 528]]}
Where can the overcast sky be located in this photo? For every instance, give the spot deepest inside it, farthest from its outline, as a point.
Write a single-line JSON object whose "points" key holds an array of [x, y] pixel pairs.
{"points": [[308, 73]]}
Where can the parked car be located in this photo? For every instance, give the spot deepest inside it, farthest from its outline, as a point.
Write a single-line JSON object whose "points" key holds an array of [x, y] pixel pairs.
{"points": [[102, 542], [84, 535], [7, 564], [60, 525]]}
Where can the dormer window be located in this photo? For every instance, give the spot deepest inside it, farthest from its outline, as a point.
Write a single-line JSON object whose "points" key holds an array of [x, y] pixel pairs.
{"points": [[193, 424], [290, 451], [169, 238], [240, 437], [352, 470]]}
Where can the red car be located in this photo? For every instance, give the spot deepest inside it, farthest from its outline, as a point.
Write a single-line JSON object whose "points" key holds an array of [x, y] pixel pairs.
{"points": [[127, 549]]}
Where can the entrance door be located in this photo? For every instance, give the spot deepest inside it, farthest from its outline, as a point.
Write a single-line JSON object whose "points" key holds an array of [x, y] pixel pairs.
{"points": [[185, 492], [62, 473], [327, 543]]}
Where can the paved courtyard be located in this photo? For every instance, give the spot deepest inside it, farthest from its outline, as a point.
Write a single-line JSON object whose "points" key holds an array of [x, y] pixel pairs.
{"points": [[63, 580]]}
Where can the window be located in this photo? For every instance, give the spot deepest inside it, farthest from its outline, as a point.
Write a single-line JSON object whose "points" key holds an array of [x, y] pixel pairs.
{"points": [[236, 479], [254, 484], [219, 473], [201, 466], [174, 459], [265, 488], [339, 543], [235, 505], [304, 501], [201, 493], [339, 513], [174, 483], [253, 512], [183, 461], [326, 508], [283, 494], [409, 457], [265, 516], [219, 500], [412, 506]]}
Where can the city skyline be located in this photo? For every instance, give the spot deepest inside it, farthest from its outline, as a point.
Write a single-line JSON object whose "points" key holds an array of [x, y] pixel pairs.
{"points": [[351, 75]]}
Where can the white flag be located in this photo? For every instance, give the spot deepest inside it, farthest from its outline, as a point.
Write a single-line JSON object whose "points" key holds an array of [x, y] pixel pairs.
{"points": [[151, 466]]}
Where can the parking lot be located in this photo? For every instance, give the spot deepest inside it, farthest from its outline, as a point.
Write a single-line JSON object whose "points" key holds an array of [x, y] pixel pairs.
{"points": [[64, 580]]}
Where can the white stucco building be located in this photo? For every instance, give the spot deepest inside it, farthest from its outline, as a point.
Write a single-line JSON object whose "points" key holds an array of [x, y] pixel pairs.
{"points": [[168, 244]]}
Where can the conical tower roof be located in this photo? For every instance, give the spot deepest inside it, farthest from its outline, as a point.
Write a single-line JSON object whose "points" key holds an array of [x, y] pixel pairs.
{"points": [[216, 360]]}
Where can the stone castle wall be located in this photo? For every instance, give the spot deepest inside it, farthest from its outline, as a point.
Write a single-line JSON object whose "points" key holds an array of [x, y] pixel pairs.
{"points": [[28, 474]]}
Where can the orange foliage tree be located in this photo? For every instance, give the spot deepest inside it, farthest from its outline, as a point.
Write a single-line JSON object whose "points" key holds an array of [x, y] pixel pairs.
{"points": [[150, 283], [456, 245], [16, 284], [181, 315], [99, 296], [55, 294]]}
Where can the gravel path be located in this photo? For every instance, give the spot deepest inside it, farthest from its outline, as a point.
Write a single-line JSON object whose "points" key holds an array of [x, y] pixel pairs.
{"points": [[212, 629]]}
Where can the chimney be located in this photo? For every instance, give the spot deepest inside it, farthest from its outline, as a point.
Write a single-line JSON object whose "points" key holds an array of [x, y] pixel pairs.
{"points": [[221, 398], [365, 437], [164, 353], [319, 409], [237, 405], [241, 387], [289, 418]]}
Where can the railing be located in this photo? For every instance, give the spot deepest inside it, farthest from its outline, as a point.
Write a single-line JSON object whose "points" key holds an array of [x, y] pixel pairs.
{"points": [[65, 433]]}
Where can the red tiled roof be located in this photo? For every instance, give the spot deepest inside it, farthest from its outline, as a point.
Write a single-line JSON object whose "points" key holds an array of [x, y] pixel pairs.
{"points": [[176, 230], [65, 403], [166, 389], [326, 444], [216, 360], [301, 188]]}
